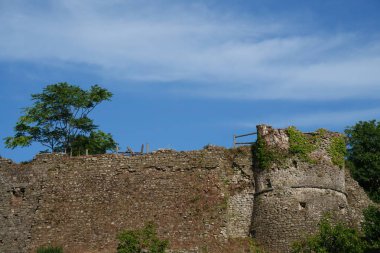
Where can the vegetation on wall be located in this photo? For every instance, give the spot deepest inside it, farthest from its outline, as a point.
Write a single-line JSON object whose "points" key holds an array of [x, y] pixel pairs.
{"points": [[300, 144], [50, 249], [263, 154], [337, 151], [364, 156], [141, 240]]}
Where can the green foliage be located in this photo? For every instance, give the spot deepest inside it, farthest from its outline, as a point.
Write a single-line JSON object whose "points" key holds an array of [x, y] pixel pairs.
{"points": [[58, 115], [364, 155], [299, 144], [321, 132], [49, 249], [264, 155], [340, 238], [141, 240], [371, 227], [97, 142], [253, 247], [331, 239], [337, 151]]}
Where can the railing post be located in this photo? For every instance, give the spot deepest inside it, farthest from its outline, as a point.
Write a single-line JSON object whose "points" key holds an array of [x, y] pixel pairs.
{"points": [[234, 140]]}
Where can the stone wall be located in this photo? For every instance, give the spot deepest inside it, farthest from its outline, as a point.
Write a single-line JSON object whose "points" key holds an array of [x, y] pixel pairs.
{"points": [[293, 194], [211, 200], [198, 199], [18, 201]]}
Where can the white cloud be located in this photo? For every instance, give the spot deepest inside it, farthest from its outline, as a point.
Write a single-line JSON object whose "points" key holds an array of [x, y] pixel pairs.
{"points": [[224, 55], [318, 119]]}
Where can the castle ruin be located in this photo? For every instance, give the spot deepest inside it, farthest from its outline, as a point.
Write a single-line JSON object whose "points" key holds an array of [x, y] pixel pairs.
{"points": [[211, 200]]}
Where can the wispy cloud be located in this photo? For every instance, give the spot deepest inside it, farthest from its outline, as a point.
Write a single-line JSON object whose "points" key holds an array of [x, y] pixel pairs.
{"points": [[317, 120], [217, 54]]}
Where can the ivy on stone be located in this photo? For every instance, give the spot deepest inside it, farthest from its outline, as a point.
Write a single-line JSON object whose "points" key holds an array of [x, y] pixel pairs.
{"points": [[141, 240], [337, 151], [300, 145]]}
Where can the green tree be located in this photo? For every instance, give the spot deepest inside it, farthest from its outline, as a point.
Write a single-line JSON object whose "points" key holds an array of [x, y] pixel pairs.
{"points": [[331, 239], [59, 115], [371, 228], [141, 240], [364, 156], [97, 142]]}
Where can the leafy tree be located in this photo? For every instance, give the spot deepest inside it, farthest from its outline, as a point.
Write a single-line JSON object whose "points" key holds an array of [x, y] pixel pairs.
{"points": [[364, 156], [331, 239], [58, 116], [97, 142], [141, 240], [371, 228]]}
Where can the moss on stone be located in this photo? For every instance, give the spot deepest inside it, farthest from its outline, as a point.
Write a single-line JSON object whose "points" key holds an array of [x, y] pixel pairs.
{"points": [[262, 153], [300, 144], [337, 151], [321, 132], [266, 156]]}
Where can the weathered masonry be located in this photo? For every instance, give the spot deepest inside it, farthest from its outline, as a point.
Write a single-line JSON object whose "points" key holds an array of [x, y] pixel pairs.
{"points": [[211, 200]]}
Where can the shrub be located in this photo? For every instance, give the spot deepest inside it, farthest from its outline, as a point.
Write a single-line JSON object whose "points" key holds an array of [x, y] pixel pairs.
{"points": [[141, 240], [364, 155], [331, 239], [371, 227], [49, 249]]}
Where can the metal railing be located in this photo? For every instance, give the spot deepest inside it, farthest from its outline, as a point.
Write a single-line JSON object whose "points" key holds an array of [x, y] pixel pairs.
{"points": [[243, 135]]}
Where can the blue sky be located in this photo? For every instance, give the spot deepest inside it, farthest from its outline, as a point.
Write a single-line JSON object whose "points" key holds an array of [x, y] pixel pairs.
{"points": [[188, 73]]}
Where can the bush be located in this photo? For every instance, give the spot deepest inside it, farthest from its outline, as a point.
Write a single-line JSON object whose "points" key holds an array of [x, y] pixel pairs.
{"points": [[49, 249], [331, 239], [371, 228], [364, 156], [141, 240]]}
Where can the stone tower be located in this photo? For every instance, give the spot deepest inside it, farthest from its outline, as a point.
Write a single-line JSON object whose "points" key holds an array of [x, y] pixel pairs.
{"points": [[298, 178]]}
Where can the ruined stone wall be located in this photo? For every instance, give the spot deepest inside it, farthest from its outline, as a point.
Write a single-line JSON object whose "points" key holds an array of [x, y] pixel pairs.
{"points": [[357, 201], [211, 200], [197, 199], [292, 194], [18, 200]]}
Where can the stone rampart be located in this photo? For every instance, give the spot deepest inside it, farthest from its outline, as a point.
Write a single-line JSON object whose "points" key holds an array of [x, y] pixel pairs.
{"points": [[299, 185], [198, 199], [211, 200]]}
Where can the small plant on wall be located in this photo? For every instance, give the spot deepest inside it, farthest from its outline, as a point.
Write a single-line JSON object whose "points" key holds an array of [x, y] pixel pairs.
{"points": [[49, 249], [141, 240]]}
